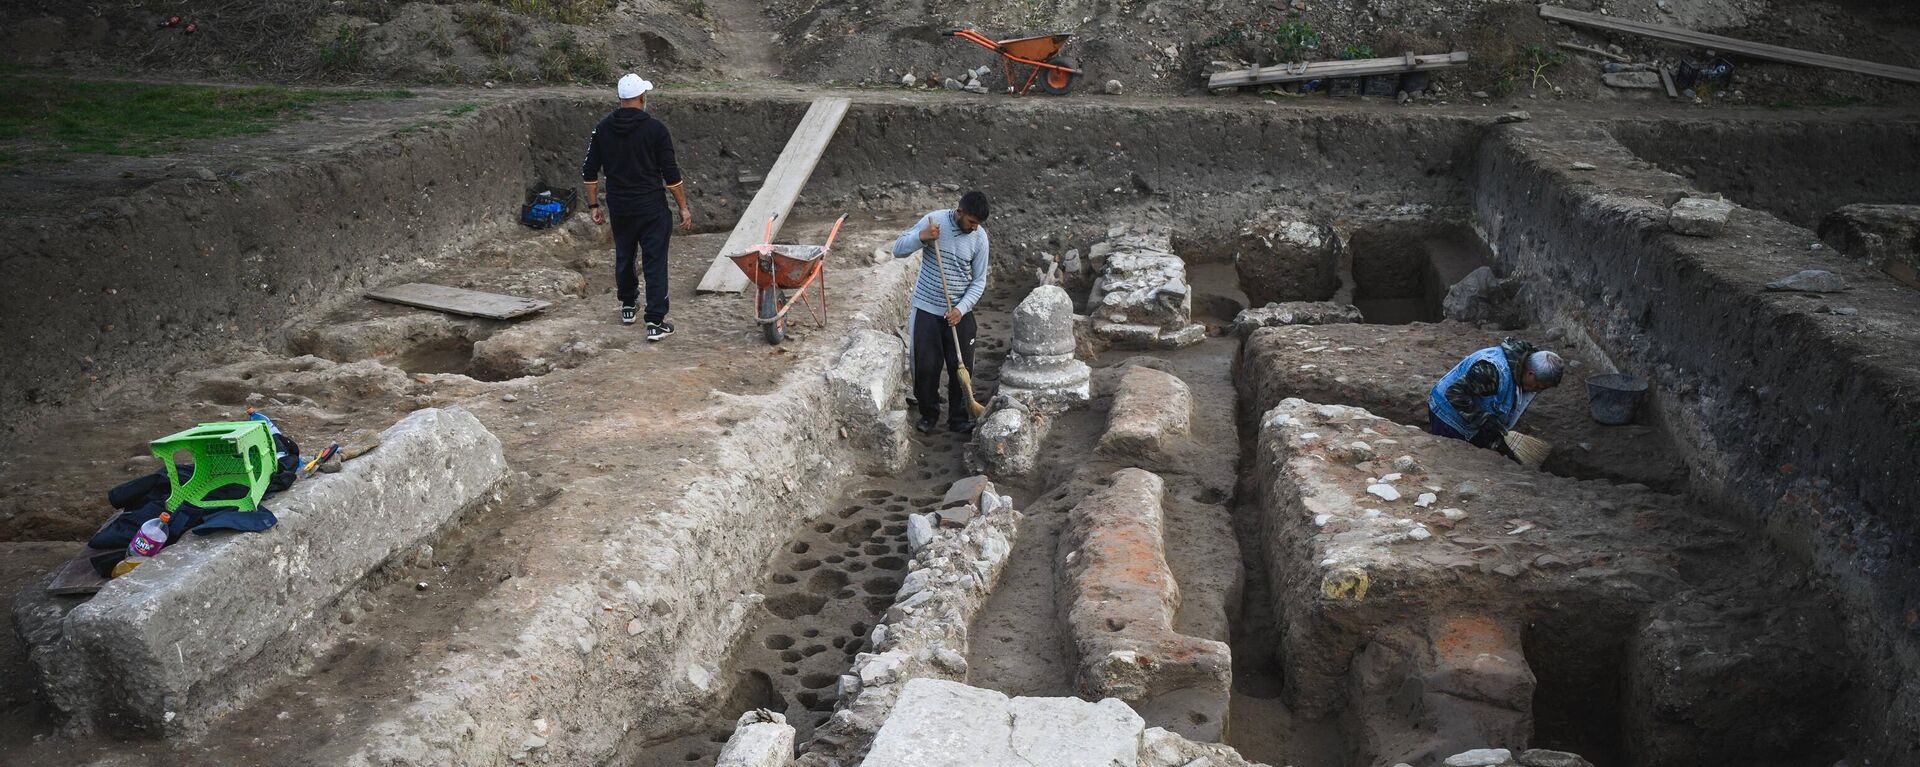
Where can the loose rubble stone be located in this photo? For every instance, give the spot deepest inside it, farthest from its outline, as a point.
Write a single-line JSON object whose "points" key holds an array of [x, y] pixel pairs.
{"points": [[1482, 757], [1151, 410], [1007, 443], [1810, 281], [1540, 757], [1699, 216], [1633, 80], [1286, 255], [1513, 117], [1887, 237], [1295, 313], [1482, 297], [1113, 87], [761, 738], [1142, 299], [919, 531], [1040, 370], [865, 383]]}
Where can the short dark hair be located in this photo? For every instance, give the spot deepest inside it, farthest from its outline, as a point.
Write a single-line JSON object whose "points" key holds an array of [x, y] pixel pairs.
{"points": [[974, 204]]}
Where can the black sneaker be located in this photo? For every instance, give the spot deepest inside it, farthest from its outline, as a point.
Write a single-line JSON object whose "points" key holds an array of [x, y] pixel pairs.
{"points": [[925, 425], [659, 330], [626, 314], [961, 427]]}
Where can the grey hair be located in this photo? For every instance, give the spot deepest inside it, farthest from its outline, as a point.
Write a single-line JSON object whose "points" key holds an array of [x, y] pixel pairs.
{"points": [[1546, 367]]}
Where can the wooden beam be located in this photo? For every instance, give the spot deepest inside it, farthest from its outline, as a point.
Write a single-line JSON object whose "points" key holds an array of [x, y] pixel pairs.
{"points": [[777, 194], [1318, 70], [1729, 45], [1666, 79]]}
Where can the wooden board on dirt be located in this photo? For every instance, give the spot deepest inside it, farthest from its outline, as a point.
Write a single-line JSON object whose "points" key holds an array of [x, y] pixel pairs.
{"points": [[469, 303], [777, 194], [1319, 70], [1764, 51], [76, 577]]}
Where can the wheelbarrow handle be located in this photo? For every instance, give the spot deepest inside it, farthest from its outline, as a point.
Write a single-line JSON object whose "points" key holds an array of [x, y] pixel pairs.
{"points": [[768, 237], [952, 31], [835, 233]]}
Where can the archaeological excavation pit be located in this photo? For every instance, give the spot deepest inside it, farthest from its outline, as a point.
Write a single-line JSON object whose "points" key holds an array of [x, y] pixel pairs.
{"points": [[1203, 516]]}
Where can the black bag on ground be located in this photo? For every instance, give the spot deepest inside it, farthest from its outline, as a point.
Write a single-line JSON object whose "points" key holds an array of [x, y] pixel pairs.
{"points": [[547, 208]]}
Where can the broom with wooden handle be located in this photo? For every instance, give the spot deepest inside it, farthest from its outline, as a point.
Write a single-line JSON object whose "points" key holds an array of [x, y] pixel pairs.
{"points": [[974, 408]]}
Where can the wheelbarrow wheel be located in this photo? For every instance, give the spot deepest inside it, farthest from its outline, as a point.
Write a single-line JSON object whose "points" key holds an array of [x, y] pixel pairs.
{"points": [[1054, 82], [774, 329]]}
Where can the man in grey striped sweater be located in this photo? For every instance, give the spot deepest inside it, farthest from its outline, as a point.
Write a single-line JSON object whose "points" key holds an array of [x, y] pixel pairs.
{"points": [[962, 264]]}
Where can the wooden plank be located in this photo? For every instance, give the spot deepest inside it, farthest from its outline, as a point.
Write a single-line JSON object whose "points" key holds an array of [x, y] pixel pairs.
{"points": [[1666, 79], [778, 193], [1316, 70], [1610, 55], [1764, 51], [470, 303], [76, 576]]}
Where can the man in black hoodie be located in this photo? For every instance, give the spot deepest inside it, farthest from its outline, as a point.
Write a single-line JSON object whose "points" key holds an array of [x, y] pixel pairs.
{"points": [[636, 152]]}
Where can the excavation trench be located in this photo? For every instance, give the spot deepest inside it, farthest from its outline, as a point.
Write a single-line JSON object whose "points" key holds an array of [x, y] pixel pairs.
{"points": [[633, 594]]}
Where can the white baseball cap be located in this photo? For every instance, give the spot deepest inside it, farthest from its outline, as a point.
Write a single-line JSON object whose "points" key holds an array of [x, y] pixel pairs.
{"points": [[631, 86]]}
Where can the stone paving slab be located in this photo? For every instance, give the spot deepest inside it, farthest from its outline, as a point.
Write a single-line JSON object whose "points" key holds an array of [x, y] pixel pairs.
{"points": [[938, 723]]}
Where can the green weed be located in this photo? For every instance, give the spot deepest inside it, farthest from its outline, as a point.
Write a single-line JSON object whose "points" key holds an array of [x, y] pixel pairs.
{"points": [[1294, 39], [566, 59], [1353, 52], [563, 11], [1287, 39], [1530, 65], [145, 119], [460, 109], [344, 53]]}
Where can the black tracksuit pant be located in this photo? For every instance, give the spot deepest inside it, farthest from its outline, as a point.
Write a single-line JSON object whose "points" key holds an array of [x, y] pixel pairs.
{"points": [[933, 351], [648, 233]]}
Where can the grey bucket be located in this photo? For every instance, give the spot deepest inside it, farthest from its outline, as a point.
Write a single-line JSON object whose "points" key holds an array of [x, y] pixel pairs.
{"points": [[1613, 397]]}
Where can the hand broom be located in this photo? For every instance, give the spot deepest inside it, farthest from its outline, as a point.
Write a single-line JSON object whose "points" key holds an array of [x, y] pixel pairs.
{"points": [[1531, 451]]}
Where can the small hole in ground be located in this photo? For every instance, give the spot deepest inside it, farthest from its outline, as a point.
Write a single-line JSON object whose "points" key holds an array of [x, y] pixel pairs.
{"points": [[792, 606]]}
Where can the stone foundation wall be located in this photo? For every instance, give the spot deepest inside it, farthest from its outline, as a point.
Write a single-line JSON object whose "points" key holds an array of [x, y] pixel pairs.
{"points": [[1801, 419]]}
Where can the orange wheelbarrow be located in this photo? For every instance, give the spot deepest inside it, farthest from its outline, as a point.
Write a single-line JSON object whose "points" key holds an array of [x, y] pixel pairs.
{"points": [[1041, 54], [775, 269]]}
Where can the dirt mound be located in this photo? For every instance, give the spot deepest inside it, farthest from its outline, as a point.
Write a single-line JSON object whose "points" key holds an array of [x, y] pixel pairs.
{"points": [[1168, 46], [504, 41]]}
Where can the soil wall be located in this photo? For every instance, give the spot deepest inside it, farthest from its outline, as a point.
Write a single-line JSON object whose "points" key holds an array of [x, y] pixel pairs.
{"points": [[113, 295], [1799, 171], [1802, 419]]}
